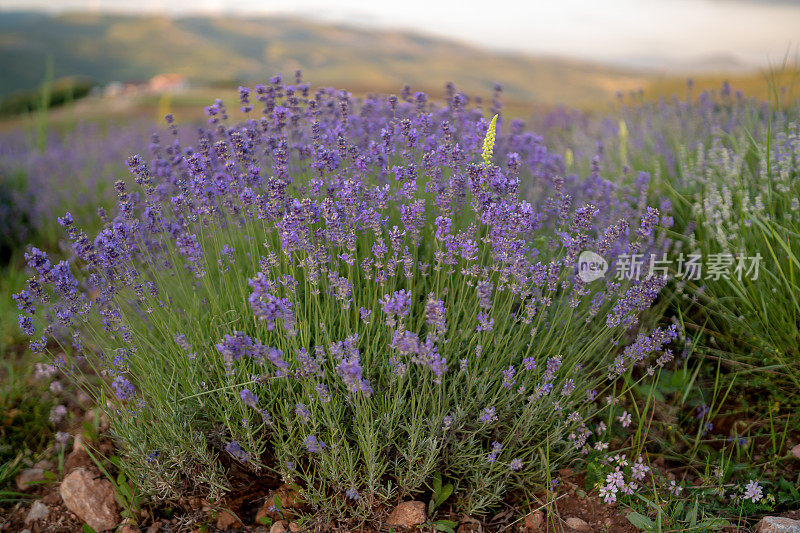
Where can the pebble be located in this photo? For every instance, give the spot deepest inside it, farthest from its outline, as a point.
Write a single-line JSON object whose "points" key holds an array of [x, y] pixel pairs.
{"points": [[39, 511], [408, 514], [573, 522], [278, 527]]}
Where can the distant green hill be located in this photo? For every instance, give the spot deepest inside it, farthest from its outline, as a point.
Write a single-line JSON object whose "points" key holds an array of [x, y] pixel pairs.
{"points": [[108, 48]]}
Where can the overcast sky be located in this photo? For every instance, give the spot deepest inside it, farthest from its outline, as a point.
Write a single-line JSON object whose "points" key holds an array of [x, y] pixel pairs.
{"points": [[634, 32]]}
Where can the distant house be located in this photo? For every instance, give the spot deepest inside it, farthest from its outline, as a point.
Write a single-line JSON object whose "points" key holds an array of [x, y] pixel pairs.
{"points": [[168, 83], [113, 89]]}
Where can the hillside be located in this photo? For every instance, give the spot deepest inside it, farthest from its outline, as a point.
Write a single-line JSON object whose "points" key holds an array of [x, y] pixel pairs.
{"points": [[230, 50]]}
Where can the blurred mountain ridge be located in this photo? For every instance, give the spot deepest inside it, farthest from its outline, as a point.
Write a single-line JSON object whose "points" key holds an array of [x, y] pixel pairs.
{"points": [[111, 47], [226, 51]]}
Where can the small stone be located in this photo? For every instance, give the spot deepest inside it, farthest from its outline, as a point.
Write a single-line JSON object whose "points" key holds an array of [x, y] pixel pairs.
{"points": [[39, 511], [408, 514], [155, 527], [91, 498], [573, 522], [777, 524], [796, 451], [278, 527], [534, 520], [78, 458], [29, 478], [226, 520], [294, 527]]}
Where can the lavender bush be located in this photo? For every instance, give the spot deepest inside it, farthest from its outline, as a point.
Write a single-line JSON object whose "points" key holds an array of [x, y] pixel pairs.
{"points": [[353, 295], [728, 167]]}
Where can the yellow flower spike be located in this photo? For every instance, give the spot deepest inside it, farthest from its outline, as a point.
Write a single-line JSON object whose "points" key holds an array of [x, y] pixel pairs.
{"points": [[488, 142], [623, 142]]}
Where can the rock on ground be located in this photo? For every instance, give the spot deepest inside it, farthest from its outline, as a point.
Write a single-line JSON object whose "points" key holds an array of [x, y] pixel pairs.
{"points": [[577, 524], [226, 520], [91, 498], [39, 511], [407, 514], [796, 451], [777, 524], [29, 478], [278, 527]]}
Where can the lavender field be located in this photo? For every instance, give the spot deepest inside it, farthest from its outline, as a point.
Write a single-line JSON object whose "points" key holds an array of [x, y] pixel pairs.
{"points": [[310, 308]]}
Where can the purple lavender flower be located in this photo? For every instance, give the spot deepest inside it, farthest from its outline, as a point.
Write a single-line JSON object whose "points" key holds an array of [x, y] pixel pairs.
{"points": [[496, 449], [24, 302], [349, 367], [484, 289], [322, 393], [485, 322], [26, 325], [249, 398], [313, 444], [309, 366], [398, 366], [435, 314], [237, 452], [302, 412], [396, 306], [180, 340], [443, 225], [488, 416], [269, 307], [190, 248], [508, 377], [123, 388], [447, 423]]}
